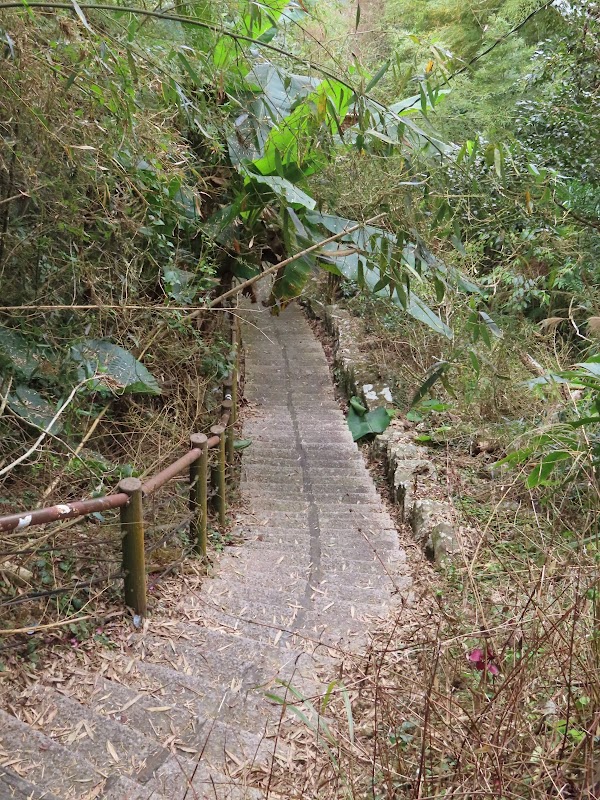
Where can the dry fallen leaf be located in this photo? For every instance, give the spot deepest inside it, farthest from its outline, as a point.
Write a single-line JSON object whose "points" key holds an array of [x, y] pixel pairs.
{"points": [[112, 752]]}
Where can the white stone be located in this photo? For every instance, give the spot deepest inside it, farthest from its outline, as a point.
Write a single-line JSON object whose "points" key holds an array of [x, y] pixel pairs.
{"points": [[386, 394]]}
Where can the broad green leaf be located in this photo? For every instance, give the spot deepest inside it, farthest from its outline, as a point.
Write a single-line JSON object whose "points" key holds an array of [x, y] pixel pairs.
{"points": [[17, 354], [125, 373], [434, 374], [291, 283], [242, 444], [421, 311], [349, 715], [591, 366], [190, 70], [376, 421], [377, 77], [422, 438], [327, 696], [81, 15], [474, 363], [491, 324], [359, 407], [179, 284], [376, 247], [33, 409], [284, 189], [579, 423], [381, 136], [515, 458]]}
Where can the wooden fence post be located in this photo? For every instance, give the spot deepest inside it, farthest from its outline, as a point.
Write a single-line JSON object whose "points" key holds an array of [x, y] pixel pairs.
{"points": [[227, 407], [219, 430], [235, 340], [199, 495], [134, 557]]}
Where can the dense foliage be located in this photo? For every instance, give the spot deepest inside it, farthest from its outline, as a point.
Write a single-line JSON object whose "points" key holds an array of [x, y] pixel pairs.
{"points": [[447, 151], [150, 157]]}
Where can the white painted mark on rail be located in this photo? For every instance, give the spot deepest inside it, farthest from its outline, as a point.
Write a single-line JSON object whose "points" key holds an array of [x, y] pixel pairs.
{"points": [[63, 509], [24, 522]]}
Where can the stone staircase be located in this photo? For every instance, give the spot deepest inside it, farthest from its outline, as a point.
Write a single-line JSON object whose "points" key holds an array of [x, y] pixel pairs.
{"points": [[182, 714]]}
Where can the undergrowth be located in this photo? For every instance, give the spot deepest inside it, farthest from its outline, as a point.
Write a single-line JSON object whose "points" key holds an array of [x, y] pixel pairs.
{"points": [[485, 683]]}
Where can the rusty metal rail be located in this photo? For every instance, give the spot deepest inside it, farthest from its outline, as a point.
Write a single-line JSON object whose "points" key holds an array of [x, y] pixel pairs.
{"points": [[131, 492]]}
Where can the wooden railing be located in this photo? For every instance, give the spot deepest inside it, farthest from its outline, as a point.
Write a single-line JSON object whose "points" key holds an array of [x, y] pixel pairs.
{"points": [[131, 492]]}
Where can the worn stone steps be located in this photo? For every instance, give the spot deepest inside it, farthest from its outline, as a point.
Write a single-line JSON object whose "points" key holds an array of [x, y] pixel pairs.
{"points": [[279, 542], [14, 787], [136, 756], [48, 764], [180, 729], [183, 711], [332, 587]]}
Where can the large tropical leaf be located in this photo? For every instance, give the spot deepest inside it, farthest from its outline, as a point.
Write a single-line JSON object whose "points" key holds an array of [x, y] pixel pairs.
{"points": [[259, 23], [376, 248], [418, 309], [283, 188], [18, 354], [373, 422], [124, 373], [276, 93], [290, 282], [32, 408]]}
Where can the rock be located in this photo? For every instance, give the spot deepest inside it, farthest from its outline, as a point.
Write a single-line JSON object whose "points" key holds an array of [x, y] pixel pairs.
{"points": [[406, 463], [405, 480], [430, 521], [443, 543], [405, 449]]}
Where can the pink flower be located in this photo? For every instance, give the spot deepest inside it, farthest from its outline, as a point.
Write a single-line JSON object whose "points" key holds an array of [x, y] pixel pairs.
{"points": [[484, 661]]}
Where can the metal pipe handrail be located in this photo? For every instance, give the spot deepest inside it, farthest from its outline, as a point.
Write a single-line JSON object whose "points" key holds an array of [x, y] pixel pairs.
{"points": [[131, 492], [80, 508]]}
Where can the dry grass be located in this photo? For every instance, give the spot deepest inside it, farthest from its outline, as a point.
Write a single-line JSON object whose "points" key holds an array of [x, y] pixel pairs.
{"points": [[75, 236], [426, 716], [427, 722]]}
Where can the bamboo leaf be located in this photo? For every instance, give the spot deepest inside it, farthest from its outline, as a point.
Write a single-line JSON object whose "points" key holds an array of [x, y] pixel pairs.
{"points": [[434, 374], [546, 466], [81, 15], [377, 77]]}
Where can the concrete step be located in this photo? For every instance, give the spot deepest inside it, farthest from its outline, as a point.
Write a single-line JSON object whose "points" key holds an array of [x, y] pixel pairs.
{"points": [[278, 609], [368, 561], [242, 706], [329, 491], [281, 474], [48, 764], [110, 746], [308, 632], [118, 787], [327, 506], [360, 546], [14, 787], [264, 578], [178, 728], [344, 464], [288, 553], [242, 664], [333, 587]]}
